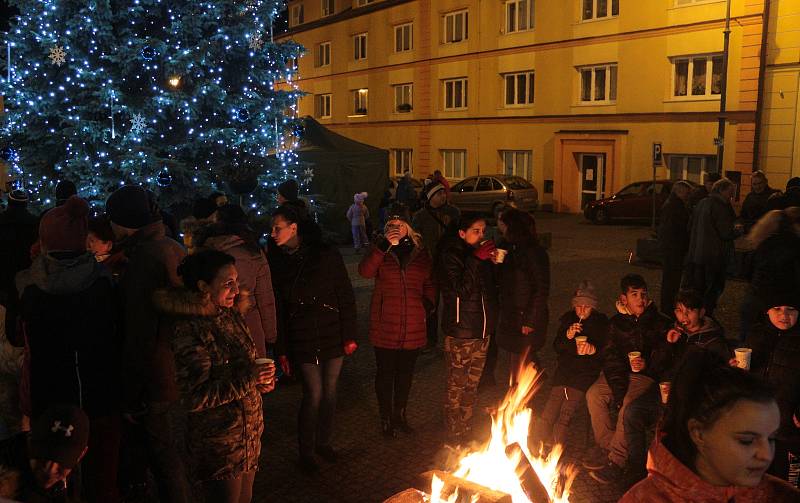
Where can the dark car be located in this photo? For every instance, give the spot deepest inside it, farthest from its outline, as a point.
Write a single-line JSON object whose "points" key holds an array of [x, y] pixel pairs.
{"points": [[633, 202], [490, 193]]}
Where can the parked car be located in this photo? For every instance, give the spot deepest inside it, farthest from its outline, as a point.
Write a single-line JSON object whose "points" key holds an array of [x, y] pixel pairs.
{"points": [[633, 202], [394, 180], [490, 193]]}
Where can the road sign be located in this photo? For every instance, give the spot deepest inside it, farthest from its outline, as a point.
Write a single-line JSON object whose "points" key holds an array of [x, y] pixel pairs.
{"points": [[657, 161]]}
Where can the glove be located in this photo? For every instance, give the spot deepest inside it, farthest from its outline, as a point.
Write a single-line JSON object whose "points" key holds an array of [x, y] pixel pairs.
{"points": [[285, 367], [350, 347], [485, 251]]}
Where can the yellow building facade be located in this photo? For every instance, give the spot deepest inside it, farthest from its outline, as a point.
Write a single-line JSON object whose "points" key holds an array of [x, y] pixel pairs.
{"points": [[571, 94]]}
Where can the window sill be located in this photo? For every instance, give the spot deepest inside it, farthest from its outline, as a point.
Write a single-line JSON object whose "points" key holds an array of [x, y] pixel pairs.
{"points": [[356, 116], [455, 43], [692, 99], [455, 109], [583, 104], [326, 117], [405, 51], [516, 107], [516, 32], [597, 20]]}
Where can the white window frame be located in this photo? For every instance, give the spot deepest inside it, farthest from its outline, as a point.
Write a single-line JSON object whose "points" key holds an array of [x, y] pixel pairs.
{"points": [[611, 69], [521, 163], [514, 20], [402, 161], [452, 86], [324, 105], [401, 91], [454, 163], [609, 9], [706, 162], [360, 101], [363, 3], [360, 42], [404, 37], [459, 18], [530, 90], [297, 16], [690, 72], [323, 54], [328, 8]]}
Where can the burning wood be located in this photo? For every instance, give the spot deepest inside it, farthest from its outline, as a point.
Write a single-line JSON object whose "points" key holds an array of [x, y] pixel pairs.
{"points": [[467, 491], [528, 478]]}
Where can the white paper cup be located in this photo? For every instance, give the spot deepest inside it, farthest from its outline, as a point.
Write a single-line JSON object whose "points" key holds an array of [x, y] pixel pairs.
{"points": [[394, 242], [580, 340], [632, 356], [500, 255], [265, 361], [743, 357], [664, 387]]}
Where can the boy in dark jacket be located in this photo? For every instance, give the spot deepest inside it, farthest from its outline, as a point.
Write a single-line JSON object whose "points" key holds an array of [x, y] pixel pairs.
{"points": [[630, 371], [469, 301], [579, 345]]}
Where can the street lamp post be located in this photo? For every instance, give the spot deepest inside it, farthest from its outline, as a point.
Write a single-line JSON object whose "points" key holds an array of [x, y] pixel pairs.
{"points": [[720, 140]]}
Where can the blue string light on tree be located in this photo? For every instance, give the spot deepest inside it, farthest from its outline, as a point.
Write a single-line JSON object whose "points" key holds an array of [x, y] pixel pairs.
{"points": [[149, 53], [164, 179]]}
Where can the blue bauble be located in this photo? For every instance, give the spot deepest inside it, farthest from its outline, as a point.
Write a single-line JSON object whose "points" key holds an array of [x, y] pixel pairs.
{"points": [[164, 178], [242, 115], [149, 53]]}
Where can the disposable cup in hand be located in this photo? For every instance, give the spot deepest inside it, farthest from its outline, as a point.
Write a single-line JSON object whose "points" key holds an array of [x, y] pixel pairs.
{"points": [[580, 341], [743, 357], [265, 361], [664, 387], [500, 255], [632, 356]]}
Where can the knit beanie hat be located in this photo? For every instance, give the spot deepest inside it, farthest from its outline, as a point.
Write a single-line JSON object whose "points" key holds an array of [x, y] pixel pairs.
{"points": [[585, 295], [60, 434], [65, 227], [432, 188], [359, 197], [65, 189], [777, 298], [793, 182], [129, 207], [288, 189]]}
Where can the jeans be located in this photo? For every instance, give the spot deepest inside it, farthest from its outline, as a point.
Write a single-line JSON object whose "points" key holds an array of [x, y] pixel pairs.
{"points": [[608, 435], [360, 237], [709, 281], [315, 421], [238, 490], [557, 414], [432, 325], [395, 370], [672, 270], [101, 464], [163, 436], [640, 415]]}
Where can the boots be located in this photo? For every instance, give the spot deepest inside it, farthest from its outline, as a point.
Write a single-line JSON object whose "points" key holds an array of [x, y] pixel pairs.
{"points": [[387, 428], [400, 421]]}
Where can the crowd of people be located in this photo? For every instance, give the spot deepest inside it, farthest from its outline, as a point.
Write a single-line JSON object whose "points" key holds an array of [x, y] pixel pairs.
{"points": [[147, 346]]}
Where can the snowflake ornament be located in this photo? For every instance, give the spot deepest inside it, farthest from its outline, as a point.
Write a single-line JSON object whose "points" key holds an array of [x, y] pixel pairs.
{"points": [[138, 124], [57, 55], [256, 43], [308, 175]]}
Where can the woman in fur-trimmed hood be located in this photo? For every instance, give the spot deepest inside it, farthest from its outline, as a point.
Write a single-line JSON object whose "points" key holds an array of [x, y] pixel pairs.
{"points": [[219, 381]]}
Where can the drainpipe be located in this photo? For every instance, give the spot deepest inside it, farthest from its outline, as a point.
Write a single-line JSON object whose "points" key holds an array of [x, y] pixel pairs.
{"points": [[762, 69], [723, 90]]}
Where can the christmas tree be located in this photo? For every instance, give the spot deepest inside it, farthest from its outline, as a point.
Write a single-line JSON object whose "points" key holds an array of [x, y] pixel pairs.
{"points": [[182, 97]]}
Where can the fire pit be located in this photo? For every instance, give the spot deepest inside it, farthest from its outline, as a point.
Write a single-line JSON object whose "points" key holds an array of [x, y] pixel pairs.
{"points": [[504, 469]]}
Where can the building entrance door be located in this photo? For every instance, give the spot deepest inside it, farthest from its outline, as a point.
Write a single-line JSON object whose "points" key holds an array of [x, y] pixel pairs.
{"points": [[593, 177]]}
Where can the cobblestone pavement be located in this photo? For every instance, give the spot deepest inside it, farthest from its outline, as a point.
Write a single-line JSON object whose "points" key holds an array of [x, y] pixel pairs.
{"points": [[370, 468]]}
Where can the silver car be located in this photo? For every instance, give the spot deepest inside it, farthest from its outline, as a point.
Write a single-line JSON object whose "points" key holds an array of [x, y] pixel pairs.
{"points": [[490, 193]]}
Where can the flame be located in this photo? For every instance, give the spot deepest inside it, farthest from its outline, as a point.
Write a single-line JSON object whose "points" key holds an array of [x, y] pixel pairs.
{"points": [[492, 468]]}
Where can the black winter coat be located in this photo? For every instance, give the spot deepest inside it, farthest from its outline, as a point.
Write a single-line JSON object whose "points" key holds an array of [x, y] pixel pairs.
{"points": [[315, 304], [776, 264], [776, 357], [673, 228], [469, 293], [524, 286], [755, 205], [18, 231], [710, 337], [712, 231], [580, 371], [627, 333]]}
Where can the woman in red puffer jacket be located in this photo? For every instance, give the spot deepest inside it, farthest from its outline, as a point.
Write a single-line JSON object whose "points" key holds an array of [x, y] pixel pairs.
{"points": [[404, 292]]}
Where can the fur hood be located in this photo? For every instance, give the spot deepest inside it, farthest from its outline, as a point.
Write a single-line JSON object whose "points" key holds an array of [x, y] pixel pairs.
{"points": [[185, 302]]}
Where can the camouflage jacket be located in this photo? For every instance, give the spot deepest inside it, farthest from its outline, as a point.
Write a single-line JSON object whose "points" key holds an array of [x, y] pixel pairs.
{"points": [[214, 354]]}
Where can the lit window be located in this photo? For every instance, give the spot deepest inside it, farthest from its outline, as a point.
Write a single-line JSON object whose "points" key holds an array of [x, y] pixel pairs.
{"points": [[690, 167], [403, 98], [599, 9], [328, 7], [362, 3], [403, 37], [324, 54], [598, 83], [455, 94], [454, 163], [456, 25], [517, 163], [697, 76], [519, 88], [402, 161], [297, 15], [360, 101], [360, 46], [323, 106], [519, 15]]}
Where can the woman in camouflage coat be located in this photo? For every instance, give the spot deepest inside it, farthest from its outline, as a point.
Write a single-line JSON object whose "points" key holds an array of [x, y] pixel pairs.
{"points": [[220, 383]]}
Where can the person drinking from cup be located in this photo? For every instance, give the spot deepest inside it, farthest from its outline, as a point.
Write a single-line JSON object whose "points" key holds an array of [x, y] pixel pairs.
{"points": [[693, 329], [630, 371], [579, 345], [775, 356], [217, 374], [715, 443], [469, 315]]}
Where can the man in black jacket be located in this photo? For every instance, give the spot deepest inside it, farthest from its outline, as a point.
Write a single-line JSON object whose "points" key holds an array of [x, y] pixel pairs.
{"points": [[673, 241], [630, 371], [469, 303], [755, 204]]}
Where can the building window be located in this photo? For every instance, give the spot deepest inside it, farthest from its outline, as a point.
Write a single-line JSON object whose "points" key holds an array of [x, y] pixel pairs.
{"points": [[599, 9], [292, 64], [517, 163], [403, 37], [697, 76], [297, 15], [328, 7], [456, 25], [454, 163], [455, 94], [599, 83], [691, 167], [519, 15], [360, 101], [360, 46], [519, 88], [403, 98], [323, 106], [324, 54], [362, 3], [402, 161]]}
